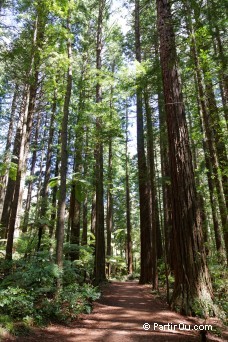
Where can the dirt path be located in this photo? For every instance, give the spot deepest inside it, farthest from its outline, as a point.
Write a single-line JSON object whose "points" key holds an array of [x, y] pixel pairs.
{"points": [[119, 317]]}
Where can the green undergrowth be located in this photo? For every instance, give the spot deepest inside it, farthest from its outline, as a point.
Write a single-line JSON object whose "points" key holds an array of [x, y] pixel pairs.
{"points": [[219, 277], [28, 295], [218, 273]]}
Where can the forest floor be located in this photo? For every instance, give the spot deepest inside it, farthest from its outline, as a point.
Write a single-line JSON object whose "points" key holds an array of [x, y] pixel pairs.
{"points": [[119, 316]]}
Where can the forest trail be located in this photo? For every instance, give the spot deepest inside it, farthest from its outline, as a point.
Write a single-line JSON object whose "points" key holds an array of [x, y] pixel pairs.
{"points": [[119, 316]]}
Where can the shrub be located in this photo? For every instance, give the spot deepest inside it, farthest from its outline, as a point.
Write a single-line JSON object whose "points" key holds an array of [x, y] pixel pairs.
{"points": [[38, 275], [16, 302], [34, 299]]}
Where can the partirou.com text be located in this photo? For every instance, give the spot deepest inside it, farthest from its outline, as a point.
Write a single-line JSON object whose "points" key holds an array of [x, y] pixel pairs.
{"points": [[180, 326]]}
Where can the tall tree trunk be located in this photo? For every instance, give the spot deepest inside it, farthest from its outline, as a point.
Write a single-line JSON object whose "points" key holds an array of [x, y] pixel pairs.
{"points": [[218, 135], [211, 157], [109, 217], [145, 222], [167, 227], [201, 201], [99, 230], [75, 223], [211, 183], [6, 160], [85, 202], [76, 212], [20, 146], [9, 193], [32, 172], [93, 214], [44, 190], [192, 288], [166, 191], [128, 205], [220, 54], [63, 161], [84, 221], [76, 205], [54, 194], [24, 147], [153, 190], [30, 96]]}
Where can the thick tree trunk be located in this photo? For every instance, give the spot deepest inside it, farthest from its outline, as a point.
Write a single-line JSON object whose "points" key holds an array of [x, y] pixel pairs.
{"points": [[192, 288]]}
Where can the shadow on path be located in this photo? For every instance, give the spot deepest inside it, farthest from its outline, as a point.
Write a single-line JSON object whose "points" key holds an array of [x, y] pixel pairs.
{"points": [[119, 316]]}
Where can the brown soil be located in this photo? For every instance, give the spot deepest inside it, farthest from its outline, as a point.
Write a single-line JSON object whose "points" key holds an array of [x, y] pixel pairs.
{"points": [[119, 317]]}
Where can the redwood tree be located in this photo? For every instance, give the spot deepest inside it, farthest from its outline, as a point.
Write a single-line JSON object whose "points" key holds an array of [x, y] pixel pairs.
{"points": [[192, 288], [145, 221]]}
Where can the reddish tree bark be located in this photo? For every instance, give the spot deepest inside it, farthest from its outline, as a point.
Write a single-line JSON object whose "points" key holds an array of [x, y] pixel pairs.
{"points": [[192, 288]]}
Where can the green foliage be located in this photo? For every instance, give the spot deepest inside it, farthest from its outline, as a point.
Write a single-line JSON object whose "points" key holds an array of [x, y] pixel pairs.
{"points": [[12, 169], [16, 302], [134, 276], [118, 266], [38, 275], [19, 305], [26, 243], [3, 168], [70, 301], [80, 269], [76, 299], [220, 284], [54, 182], [34, 299], [8, 324]]}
